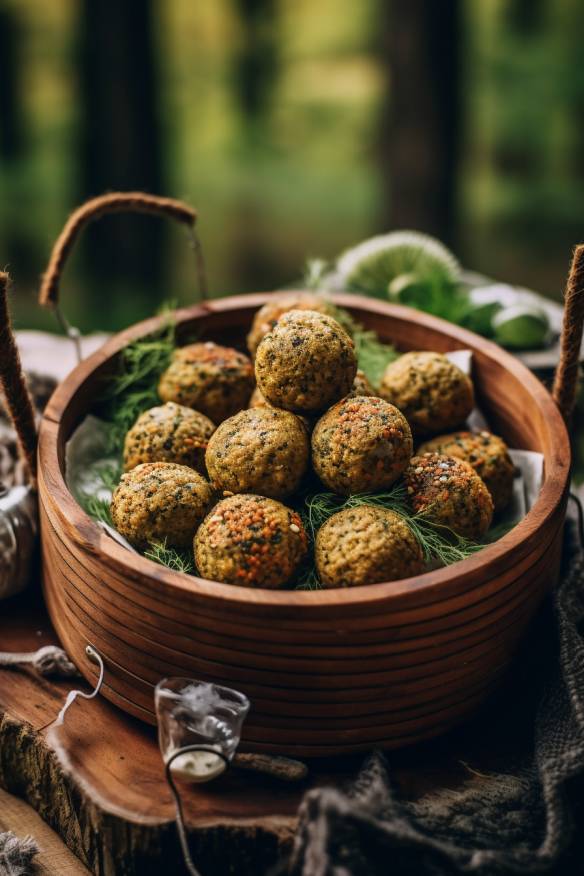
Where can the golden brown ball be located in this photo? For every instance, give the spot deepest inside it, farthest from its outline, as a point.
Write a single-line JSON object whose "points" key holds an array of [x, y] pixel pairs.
{"points": [[251, 541], [450, 493], [268, 315], [160, 502], [366, 545], [432, 393], [260, 450], [306, 363], [215, 380], [487, 453], [168, 433], [361, 385], [362, 444]]}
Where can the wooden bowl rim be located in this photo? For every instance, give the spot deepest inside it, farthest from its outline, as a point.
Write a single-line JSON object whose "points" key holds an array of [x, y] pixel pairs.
{"points": [[92, 537]]}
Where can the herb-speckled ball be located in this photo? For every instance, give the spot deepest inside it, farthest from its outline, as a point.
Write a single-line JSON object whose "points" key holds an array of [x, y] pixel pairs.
{"points": [[366, 545], [217, 381], [268, 315], [449, 492], [361, 385], [487, 453], [251, 541], [168, 433], [160, 502], [362, 444], [432, 393], [261, 450], [306, 363]]}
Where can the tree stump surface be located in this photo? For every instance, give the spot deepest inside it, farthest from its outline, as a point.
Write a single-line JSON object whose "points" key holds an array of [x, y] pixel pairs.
{"points": [[98, 780]]}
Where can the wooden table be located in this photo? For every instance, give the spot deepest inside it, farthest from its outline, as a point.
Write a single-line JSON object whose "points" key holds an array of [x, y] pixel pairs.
{"points": [[98, 780]]}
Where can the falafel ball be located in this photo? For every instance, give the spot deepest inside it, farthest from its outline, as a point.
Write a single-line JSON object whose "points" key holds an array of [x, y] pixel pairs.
{"points": [[361, 385], [215, 380], [306, 363], [431, 391], [450, 493], [160, 502], [487, 453], [268, 315], [168, 433], [260, 450], [251, 541], [362, 444], [366, 545]]}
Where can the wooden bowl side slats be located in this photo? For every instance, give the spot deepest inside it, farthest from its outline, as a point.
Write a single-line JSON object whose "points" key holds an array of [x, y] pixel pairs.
{"points": [[329, 671], [453, 612], [401, 653]]}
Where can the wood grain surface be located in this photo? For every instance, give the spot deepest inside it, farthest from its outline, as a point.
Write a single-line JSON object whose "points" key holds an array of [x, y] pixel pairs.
{"points": [[331, 671]]}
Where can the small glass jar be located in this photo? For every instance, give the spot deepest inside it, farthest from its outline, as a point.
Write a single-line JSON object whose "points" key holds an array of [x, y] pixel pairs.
{"points": [[198, 713]]}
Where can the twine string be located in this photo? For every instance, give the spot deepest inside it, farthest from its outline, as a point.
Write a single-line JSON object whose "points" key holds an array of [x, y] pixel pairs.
{"points": [[13, 382], [48, 660], [95, 657], [180, 821], [566, 379]]}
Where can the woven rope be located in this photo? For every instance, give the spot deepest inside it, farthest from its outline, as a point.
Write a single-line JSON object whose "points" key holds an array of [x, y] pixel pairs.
{"points": [[566, 380], [18, 400], [115, 202]]}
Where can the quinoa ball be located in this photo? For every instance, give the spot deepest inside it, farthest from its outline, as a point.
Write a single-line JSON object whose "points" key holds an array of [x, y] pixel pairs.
{"points": [[261, 450], [362, 444], [306, 363], [366, 545], [431, 392], [451, 493], [487, 453], [268, 315], [160, 502], [251, 541], [217, 381], [168, 433], [361, 385]]}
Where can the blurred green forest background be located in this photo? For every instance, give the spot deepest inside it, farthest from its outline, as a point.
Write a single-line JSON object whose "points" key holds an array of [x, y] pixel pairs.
{"points": [[296, 128]]}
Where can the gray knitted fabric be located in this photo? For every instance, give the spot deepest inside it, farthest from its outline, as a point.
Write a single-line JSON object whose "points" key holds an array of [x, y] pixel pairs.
{"points": [[518, 821], [17, 855]]}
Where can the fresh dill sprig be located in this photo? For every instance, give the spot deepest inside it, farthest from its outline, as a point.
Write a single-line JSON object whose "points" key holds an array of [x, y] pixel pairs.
{"points": [[97, 508], [438, 542], [133, 388], [179, 561]]}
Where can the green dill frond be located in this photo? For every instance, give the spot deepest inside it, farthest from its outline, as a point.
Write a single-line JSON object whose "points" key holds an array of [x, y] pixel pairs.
{"points": [[97, 508], [308, 578], [133, 388], [178, 560], [438, 543]]}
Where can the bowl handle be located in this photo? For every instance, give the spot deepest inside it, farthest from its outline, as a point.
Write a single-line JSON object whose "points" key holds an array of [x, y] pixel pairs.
{"points": [[18, 400], [116, 202], [567, 372]]}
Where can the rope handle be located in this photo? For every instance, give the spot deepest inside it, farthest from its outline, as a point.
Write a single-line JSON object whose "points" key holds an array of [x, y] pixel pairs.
{"points": [[567, 372], [13, 383], [115, 202]]}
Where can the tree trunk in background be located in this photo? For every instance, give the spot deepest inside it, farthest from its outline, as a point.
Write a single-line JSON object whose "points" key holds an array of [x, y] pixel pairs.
{"points": [[421, 122], [11, 104], [254, 70], [120, 140]]}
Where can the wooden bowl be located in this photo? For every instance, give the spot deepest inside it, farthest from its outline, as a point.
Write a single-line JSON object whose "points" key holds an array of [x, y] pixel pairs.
{"points": [[331, 671]]}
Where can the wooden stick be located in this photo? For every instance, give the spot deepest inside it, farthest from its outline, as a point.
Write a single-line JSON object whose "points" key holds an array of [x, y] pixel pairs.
{"points": [[13, 382], [567, 372]]}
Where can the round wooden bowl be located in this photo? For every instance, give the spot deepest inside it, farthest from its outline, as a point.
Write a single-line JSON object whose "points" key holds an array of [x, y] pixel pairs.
{"points": [[331, 671]]}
